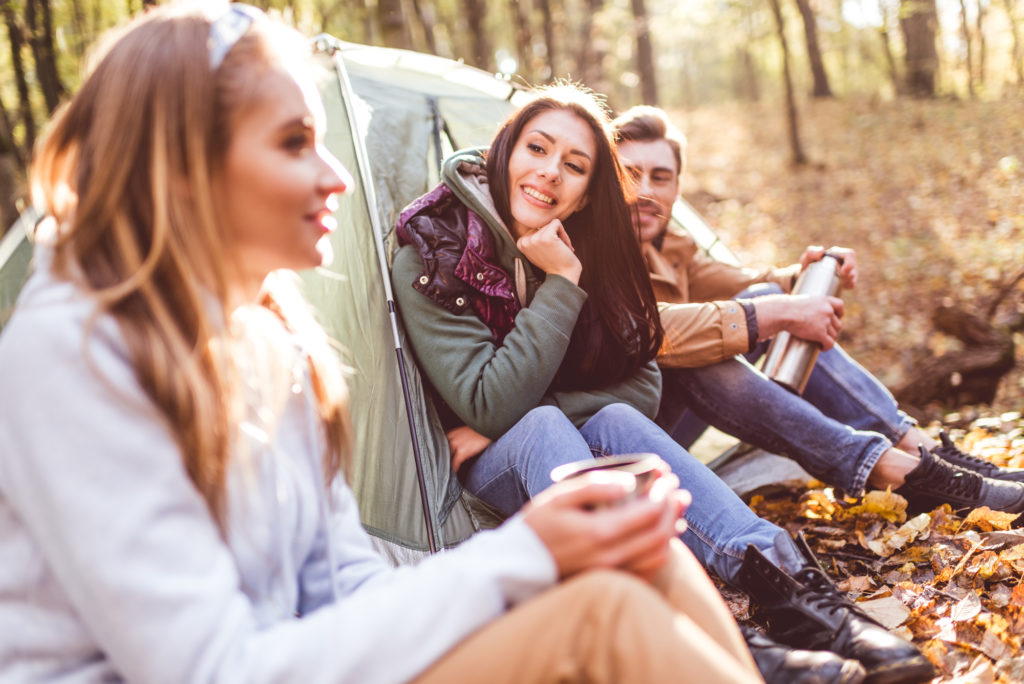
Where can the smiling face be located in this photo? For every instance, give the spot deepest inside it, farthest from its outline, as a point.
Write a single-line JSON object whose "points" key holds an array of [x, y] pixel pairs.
{"points": [[651, 165], [279, 179], [549, 170]]}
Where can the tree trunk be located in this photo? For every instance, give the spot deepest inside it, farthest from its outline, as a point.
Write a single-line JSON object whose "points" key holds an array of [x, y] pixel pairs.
{"points": [[970, 376], [424, 10], [8, 145], [82, 36], [796, 149], [1018, 62], [524, 37], [644, 54], [16, 37], [821, 86], [890, 60], [919, 22], [591, 57], [12, 166], [981, 45], [475, 12], [9, 183], [39, 18], [393, 29], [965, 29], [548, 22], [746, 86]]}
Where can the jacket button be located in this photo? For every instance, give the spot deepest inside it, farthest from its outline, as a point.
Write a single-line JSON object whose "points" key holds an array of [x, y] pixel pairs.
{"points": [[424, 280], [732, 309], [733, 326], [460, 301], [479, 276]]}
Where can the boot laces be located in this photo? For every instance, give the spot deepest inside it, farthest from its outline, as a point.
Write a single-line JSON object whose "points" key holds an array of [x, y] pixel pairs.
{"points": [[950, 451], [950, 479], [819, 592]]}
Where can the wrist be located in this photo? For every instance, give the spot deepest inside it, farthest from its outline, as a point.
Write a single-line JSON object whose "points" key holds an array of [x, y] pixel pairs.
{"points": [[570, 274]]}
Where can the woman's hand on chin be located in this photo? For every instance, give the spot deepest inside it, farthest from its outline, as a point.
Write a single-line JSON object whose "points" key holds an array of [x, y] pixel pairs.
{"points": [[550, 249]]}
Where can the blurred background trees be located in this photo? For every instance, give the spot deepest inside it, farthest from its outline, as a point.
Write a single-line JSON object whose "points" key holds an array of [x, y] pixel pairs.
{"points": [[891, 125], [676, 54]]}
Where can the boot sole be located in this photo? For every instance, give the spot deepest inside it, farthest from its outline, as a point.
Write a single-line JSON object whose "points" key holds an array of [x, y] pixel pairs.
{"points": [[917, 669]]}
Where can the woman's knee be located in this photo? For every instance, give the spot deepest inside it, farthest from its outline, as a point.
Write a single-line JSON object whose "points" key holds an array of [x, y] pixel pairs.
{"points": [[609, 594], [620, 414], [545, 418]]}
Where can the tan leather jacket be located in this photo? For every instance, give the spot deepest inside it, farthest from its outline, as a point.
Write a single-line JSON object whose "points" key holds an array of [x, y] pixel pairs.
{"points": [[703, 325]]}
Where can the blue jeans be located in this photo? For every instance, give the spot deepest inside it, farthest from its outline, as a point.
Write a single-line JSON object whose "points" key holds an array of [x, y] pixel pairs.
{"points": [[836, 431], [518, 465]]}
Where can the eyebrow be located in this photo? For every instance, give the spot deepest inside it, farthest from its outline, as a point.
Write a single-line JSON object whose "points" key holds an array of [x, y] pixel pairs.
{"points": [[551, 139], [656, 169]]}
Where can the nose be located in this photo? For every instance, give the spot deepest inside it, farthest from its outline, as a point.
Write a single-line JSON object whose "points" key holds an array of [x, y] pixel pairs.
{"points": [[334, 178], [643, 185], [551, 170]]}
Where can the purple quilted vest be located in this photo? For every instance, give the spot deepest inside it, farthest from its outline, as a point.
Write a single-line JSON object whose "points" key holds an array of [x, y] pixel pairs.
{"points": [[460, 264]]}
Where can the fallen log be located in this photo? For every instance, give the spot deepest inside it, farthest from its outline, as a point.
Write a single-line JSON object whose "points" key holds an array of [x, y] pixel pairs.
{"points": [[960, 378]]}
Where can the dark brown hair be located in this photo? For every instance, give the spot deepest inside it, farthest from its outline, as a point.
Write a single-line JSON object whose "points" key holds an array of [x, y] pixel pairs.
{"points": [[618, 329], [645, 124]]}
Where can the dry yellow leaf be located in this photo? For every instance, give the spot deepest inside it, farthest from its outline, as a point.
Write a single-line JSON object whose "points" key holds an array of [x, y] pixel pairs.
{"points": [[887, 504]]}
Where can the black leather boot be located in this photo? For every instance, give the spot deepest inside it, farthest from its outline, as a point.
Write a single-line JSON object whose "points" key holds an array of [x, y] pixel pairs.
{"points": [[807, 611], [780, 664]]}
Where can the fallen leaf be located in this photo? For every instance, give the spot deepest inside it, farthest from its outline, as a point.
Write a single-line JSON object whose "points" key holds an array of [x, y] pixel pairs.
{"points": [[906, 533], [888, 611], [988, 520], [887, 504], [855, 585], [980, 671], [966, 608]]}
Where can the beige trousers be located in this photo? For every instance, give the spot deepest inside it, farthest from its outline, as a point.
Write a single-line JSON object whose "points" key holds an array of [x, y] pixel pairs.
{"points": [[608, 627]]}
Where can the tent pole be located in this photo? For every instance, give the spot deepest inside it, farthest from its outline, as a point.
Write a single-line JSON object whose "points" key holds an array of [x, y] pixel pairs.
{"points": [[366, 179]]}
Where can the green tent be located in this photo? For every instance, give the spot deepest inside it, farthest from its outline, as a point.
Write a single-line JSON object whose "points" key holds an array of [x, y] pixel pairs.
{"points": [[15, 261], [393, 115]]}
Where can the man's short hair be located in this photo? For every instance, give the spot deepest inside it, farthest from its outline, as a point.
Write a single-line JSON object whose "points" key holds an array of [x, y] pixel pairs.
{"points": [[644, 123]]}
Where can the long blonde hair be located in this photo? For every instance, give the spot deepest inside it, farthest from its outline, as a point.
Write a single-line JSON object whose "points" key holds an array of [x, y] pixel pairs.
{"points": [[130, 168]]}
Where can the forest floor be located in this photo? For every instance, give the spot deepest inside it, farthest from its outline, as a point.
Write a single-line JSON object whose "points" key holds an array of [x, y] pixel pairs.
{"points": [[929, 193], [931, 196]]}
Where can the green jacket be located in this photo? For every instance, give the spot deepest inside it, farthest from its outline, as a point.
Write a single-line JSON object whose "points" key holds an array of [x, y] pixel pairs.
{"points": [[492, 386]]}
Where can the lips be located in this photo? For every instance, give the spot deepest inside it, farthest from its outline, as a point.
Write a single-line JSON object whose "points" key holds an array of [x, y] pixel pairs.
{"points": [[324, 219], [646, 206]]}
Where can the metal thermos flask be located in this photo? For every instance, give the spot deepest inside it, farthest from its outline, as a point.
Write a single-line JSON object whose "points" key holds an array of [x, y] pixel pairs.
{"points": [[790, 360]]}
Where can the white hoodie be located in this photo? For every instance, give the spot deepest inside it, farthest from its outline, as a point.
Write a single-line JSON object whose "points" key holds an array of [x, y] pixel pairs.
{"points": [[111, 567]]}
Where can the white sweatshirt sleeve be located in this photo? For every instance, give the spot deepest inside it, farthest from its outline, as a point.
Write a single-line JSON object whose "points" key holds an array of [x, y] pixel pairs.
{"points": [[93, 475]]}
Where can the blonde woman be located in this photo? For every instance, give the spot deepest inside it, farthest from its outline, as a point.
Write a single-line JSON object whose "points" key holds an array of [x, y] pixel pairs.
{"points": [[172, 499]]}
